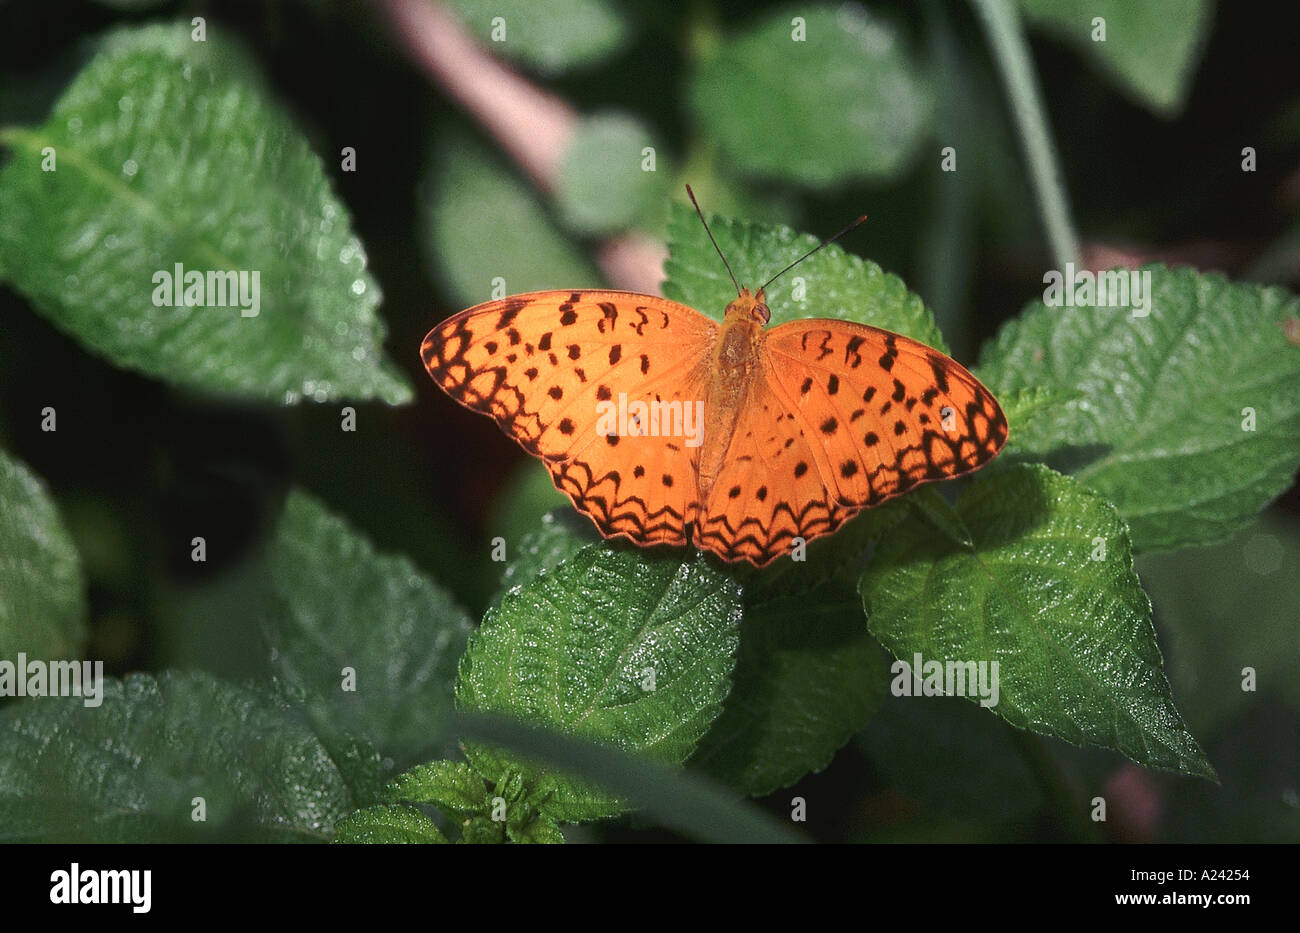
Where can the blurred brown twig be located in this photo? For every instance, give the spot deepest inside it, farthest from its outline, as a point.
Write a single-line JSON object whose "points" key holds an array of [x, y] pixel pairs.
{"points": [[531, 125]]}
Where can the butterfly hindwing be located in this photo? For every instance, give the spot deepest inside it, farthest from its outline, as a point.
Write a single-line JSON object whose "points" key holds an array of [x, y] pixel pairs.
{"points": [[771, 488]]}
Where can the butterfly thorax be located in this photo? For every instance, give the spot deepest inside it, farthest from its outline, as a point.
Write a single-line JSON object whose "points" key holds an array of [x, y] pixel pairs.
{"points": [[735, 364], [738, 350]]}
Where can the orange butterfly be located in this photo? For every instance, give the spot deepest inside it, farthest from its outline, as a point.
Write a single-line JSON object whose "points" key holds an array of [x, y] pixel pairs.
{"points": [[665, 427]]}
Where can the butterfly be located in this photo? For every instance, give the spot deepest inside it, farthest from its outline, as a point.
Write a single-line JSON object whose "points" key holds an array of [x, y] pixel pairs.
{"points": [[665, 427]]}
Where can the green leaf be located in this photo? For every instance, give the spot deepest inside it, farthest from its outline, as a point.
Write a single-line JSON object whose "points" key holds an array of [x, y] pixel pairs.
{"points": [[334, 604], [538, 831], [42, 607], [808, 677], [1023, 406], [130, 770], [845, 102], [801, 689], [672, 796], [170, 151], [1156, 414], [451, 786], [1150, 50], [836, 284], [1066, 621], [1199, 595], [481, 830], [388, 825], [602, 185], [363, 770], [550, 38], [561, 534], [486, 233], [630, 649]]}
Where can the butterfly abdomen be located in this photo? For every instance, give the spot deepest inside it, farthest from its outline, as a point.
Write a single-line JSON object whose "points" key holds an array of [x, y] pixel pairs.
{"points": [[735, 363]]}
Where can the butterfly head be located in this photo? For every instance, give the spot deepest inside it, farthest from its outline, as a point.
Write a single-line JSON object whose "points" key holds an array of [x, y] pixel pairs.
{"points": [[747, 307], [752, 308]]}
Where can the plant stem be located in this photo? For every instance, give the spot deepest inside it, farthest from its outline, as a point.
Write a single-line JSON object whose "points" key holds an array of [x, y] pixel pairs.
{"points": [[946, 258], [1006, 36], [1064, 802]]}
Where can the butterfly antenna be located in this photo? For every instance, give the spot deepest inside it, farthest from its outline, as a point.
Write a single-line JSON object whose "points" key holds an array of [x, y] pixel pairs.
{"points": [[853, 226], [711, 240]]}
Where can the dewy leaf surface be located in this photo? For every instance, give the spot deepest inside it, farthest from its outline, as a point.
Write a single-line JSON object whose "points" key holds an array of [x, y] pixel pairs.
{"points": [[808, 674], [451, 786], [1188, 419], [388, 825], [337, 605], [627, 648], [130, 769], [169, 151], [1049, 593]]}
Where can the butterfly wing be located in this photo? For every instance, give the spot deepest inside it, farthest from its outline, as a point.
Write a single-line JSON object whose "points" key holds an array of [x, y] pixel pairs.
{"points": [[846, 416], [770, 489], [547, 365]]}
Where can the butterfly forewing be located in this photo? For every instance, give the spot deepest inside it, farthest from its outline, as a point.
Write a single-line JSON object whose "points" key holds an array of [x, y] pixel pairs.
{"points": [[886, 412], [547, 366]]}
